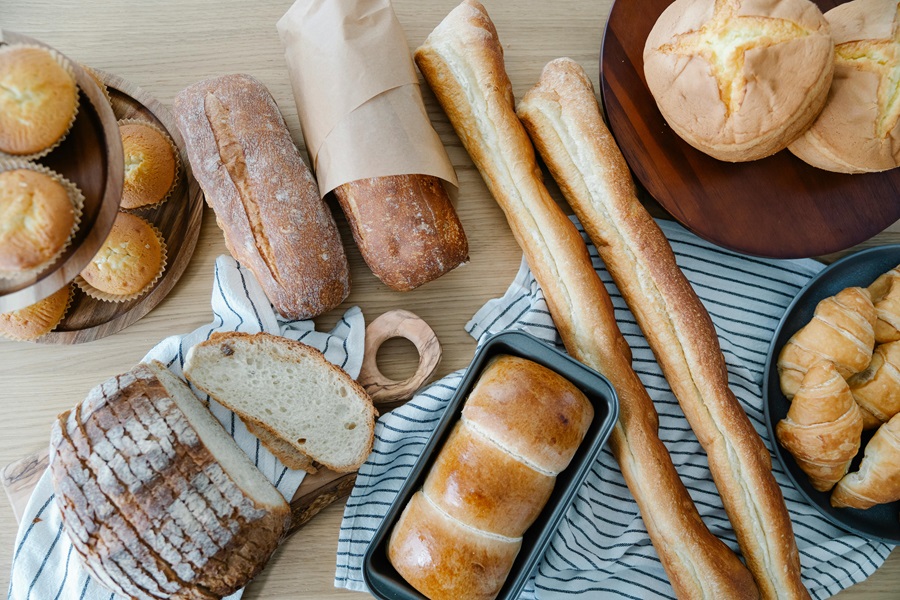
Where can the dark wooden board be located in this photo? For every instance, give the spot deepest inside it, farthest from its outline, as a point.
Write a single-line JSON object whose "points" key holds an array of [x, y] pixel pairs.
{"points": [[777, 207], [178, 219]]}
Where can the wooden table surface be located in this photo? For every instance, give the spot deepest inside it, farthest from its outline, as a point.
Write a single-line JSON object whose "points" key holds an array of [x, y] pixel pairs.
{"points": [[166, 45]]}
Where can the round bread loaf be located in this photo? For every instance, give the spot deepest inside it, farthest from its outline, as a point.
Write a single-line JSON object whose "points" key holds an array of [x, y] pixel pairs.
{"points": [[739, 79], [156, 498], [858, 131]]}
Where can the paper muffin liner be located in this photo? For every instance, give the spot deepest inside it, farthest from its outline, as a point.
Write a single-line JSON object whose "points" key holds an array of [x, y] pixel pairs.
{"points": [[96, 77], [75, 196], [10, 336], [65, 64], [175, 181], [96, 294]]}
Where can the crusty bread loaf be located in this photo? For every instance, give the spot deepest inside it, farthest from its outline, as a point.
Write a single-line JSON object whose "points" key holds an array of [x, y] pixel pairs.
{"points": [[264, 196], [289, 390], [562, 115], [157, 499], [739, 79], [406, 228], [462, 61], [520, 427]]}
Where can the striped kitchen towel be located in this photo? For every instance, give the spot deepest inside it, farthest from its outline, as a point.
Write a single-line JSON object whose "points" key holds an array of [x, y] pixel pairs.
{"points": [[44, 565], [602, 548]]}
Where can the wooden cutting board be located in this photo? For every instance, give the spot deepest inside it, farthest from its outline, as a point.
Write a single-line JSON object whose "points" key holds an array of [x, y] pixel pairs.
{"points": [[317, 491]]}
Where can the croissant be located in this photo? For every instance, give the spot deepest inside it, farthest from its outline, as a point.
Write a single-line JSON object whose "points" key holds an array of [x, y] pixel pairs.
{"points": [[885, 292], [877, 389], [878, 478], [842, 331], [823, 426]]}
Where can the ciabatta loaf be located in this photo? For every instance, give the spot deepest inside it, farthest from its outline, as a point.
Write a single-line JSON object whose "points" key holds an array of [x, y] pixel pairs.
{"points": [[290, 390], [156, 497]]}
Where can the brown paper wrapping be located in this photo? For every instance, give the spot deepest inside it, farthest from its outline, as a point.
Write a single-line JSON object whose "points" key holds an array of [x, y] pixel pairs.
{"points": [[357, 93]]}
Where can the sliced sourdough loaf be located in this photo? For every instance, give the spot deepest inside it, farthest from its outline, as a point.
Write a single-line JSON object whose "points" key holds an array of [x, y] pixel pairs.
{"points": [[289, 390], [156, 497]]}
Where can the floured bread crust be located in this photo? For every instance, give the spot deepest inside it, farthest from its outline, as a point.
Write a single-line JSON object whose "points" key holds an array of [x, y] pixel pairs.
{"points": [[739, 79]]}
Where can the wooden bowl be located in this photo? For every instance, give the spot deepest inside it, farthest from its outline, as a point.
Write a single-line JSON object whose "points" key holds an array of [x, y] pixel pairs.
{"points": [[777, 207], [178, 219], [91, 158]]}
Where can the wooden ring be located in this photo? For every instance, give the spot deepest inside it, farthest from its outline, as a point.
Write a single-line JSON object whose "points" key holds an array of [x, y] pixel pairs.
{"points": [[398, 323]]}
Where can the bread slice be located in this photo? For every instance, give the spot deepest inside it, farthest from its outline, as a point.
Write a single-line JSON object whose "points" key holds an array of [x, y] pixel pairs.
{"points": [[156, 497], [290, 390]]}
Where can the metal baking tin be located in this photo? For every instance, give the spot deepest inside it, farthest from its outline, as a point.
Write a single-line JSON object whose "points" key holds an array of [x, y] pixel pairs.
{"points": [[380, 576]]}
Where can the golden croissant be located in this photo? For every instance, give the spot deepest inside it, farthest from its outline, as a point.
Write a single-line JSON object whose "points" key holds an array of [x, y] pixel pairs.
{"points": [[877, 389], [842, 331], [823, 426], [878, 478], [885, 292]]}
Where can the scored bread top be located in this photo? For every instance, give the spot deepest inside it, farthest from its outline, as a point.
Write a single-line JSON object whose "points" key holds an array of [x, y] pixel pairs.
{"points": [[290, 390], [532, 412], [739, 79]]}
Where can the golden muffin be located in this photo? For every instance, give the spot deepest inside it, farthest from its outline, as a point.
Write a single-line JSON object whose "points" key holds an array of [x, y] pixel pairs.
{"points": [[34, 321], [130, 260], [37, 219], [739, 79], [96, 79], [150, 166], [859, 128], [38, 100]]}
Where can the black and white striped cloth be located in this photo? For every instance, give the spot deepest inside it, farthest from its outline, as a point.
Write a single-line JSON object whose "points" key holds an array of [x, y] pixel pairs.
{"points": [[602, 548], [44, 565]]}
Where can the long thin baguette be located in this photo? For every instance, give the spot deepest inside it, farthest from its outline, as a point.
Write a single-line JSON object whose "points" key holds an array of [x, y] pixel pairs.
{"points": [[562, 116], [462, 61]]}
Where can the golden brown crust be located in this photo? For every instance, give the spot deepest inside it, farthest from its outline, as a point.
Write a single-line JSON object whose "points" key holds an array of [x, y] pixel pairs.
{"points": [[38, 100], [131, 258], [878, 478], [858, 130], [877, 389], [150, 165], [739, 79], [445, 560], [264, 196], [37, 218], [283, 450], [42, 317], [564, 120], [885, 292], [406, 228], [465, 47]]}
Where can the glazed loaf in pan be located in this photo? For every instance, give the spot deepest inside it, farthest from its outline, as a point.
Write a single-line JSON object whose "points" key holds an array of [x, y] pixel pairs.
{"points": [[264, 196], [520, 427]]}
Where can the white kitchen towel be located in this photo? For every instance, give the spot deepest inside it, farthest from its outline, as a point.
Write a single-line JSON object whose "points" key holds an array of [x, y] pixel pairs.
{"points": [[602, 549], [44, 565]]}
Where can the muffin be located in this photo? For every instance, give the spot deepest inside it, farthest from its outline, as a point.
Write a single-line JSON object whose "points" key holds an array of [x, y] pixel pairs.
{"points": [[859, 128], [96, 79], [38, 217], [34, 321], [130, 261], [38, 100], [150, 164], [739, 79]]}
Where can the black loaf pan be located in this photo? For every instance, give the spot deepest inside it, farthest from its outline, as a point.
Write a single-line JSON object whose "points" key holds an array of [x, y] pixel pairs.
{"points": [[380, 576]]}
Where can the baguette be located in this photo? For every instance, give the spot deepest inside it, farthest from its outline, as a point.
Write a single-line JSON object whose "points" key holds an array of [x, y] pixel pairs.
{"points": [[462, 60], [264, 196], [564, 120], [405, 227]]}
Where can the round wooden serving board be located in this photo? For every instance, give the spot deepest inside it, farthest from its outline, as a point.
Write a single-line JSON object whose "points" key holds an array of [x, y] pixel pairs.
{"points": [[777, 207], [178, 219]]}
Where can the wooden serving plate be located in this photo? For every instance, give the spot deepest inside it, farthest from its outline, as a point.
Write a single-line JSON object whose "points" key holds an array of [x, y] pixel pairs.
{"points": [[91, 158], [178, 219], [778, 207]]}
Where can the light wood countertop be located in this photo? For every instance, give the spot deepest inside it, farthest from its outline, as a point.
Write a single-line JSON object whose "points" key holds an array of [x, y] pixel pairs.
{"points": [[165, 45]]}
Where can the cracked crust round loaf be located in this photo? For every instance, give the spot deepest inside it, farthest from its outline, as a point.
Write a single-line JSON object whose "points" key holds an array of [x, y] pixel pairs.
{"points": [[156, 498], [739, 79]]}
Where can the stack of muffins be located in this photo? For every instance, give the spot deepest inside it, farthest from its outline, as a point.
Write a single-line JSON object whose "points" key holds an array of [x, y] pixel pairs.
{"points": [[40, 211], [741, 80]]}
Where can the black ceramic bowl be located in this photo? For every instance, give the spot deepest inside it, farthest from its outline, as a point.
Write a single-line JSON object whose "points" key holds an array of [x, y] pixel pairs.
{"points": [[880, 522], [380, 576]]}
